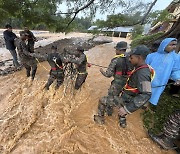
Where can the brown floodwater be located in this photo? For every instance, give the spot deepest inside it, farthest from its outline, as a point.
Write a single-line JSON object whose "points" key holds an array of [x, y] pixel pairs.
{"points": [[35, 121]]}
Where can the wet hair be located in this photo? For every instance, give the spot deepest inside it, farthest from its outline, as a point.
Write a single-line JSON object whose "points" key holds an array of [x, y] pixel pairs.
{"points": [[8, 26]]}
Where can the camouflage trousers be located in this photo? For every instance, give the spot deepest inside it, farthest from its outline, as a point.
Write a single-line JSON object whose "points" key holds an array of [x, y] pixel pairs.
{"points": [[113, 94], [59, 75], [107, 103], [172, 125], [116, 87], [80, 80], [31, 67]]}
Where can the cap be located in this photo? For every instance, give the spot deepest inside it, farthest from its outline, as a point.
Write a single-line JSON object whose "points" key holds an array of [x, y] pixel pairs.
{"points": [[79, 48], [140, 50], [121, 45]]}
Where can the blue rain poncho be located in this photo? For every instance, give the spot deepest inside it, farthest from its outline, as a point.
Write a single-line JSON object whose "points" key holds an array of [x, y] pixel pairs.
{"points": [[166, 66]]}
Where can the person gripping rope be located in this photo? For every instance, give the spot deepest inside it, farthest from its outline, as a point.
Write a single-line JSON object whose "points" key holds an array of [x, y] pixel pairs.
{"points": [[137, 90], [26, 58], [166, 65], [119, 68], [31, 39], [55, 61], [80, 60]]}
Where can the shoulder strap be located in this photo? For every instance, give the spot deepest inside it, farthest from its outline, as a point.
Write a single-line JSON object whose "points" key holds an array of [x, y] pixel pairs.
{"points": [[145, 66], [118, 56]]}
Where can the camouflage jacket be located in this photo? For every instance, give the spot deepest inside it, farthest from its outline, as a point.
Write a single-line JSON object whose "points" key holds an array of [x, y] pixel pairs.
{"points": [[119, 64]]}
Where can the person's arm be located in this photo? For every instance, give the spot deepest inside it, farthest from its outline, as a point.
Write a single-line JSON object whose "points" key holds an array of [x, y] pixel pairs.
{"points": [[35, 55], [25, 49], [33, 37], [110, 70], [78, 60], [144, 87], [175, 74], [9, 38]]}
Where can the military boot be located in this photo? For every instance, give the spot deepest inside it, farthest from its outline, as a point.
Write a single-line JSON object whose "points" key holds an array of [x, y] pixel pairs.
{"points": [[163, 141], [100, 117]]}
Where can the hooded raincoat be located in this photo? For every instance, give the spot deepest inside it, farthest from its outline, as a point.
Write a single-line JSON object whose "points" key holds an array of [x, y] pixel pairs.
{"points": [[166, 66]]}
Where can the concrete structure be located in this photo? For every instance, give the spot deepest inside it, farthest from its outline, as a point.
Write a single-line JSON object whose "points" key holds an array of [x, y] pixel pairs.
{"points": [[124, 32]]}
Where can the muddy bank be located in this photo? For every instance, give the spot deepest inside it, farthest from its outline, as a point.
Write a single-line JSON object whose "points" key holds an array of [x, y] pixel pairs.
{"points": [[6, 66], [34, 121]]}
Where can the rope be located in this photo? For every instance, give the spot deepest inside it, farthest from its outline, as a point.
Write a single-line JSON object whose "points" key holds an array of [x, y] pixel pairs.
{"points": [[98, 65], [41, 65], [164, 85]]}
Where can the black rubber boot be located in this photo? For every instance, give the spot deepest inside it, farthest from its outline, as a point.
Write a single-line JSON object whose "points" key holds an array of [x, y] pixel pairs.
{"points": [[122, 122], [164, 142], [33, 73]]}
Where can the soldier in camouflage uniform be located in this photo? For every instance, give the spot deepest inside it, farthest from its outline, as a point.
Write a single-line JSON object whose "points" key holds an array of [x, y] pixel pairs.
{"points": [[171, 132], [31, 39], [136, 92], [55, 61], [80, 60], [26, 59], [119, 68]]}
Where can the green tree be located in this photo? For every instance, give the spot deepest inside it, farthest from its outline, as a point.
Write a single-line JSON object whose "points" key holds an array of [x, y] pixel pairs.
{"points": [[34, 12]]}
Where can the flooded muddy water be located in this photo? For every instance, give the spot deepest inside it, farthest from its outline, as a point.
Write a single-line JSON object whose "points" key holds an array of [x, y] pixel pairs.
{"points": [[35, 121]]}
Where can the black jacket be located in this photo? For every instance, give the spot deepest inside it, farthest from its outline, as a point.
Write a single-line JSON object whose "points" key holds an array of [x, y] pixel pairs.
{"points": [[9, 39]]}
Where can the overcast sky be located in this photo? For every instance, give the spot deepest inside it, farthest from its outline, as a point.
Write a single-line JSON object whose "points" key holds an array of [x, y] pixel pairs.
{"points": [[160, 5]]}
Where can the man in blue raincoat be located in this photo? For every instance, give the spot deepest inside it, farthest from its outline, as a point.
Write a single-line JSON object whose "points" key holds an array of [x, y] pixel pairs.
{"points": [[166, 65]]}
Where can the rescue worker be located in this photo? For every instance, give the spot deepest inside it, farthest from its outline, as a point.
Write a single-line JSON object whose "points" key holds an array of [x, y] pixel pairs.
{"points": [[171, 132], [26, 58], [137, 90], [80, 60], [31, 39], [56, 73], [55, 61], [119, 68]]}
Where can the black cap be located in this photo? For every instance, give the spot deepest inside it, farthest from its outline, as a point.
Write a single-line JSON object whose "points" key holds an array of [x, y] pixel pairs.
{"points": [[80, 48], [121, 45], [140, 50]]}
